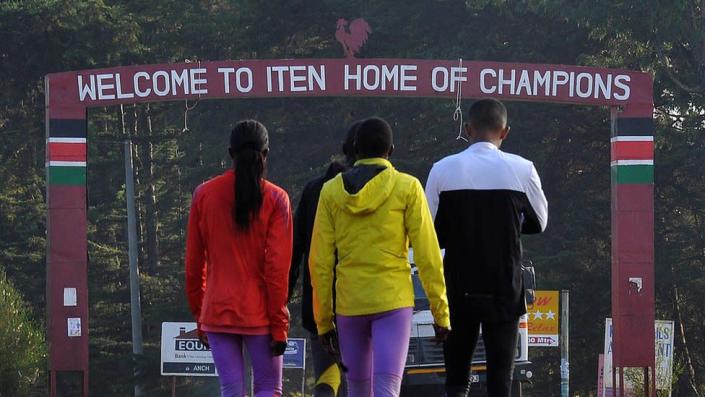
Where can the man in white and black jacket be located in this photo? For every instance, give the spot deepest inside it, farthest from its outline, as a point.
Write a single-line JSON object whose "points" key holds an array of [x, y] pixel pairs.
{"points": [[482, 200]]}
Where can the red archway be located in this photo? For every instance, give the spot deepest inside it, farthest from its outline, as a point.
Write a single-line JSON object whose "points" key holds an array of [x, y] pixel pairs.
{"points": [[628, 94]]}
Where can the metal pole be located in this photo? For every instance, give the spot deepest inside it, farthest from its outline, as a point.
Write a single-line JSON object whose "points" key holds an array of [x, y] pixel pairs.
{"points": [[565, 337], [173, 386], [135, 307], [303, 376], [303, 381]]}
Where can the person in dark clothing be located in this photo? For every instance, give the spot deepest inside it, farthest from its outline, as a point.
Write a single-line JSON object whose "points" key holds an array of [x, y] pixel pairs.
{"points": [[326, 370], [482, 200]]}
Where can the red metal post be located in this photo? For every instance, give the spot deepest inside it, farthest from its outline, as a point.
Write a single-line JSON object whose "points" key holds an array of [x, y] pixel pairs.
{"points": [[67, 246], [633, 312]]}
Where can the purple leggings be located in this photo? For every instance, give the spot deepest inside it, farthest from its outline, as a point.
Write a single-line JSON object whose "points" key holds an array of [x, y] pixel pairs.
{"points": [[266, 369], [374, 348]]}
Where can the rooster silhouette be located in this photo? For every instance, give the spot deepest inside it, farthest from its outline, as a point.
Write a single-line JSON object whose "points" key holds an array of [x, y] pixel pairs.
{"points": [[353, 38]]}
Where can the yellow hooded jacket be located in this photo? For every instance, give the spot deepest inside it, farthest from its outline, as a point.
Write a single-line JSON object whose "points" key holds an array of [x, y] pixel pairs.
{"points": [[369, 232]]}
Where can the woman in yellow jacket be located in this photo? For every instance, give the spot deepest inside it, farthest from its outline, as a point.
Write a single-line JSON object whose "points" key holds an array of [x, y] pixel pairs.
{"points": [[365, 220]]}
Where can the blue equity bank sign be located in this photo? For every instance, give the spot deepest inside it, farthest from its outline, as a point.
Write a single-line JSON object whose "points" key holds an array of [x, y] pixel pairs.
{"points": [[183, 354], [295, 354]]}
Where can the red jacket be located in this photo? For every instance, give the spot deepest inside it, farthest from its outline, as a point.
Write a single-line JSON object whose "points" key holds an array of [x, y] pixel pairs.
{"points": [[233, 277]]}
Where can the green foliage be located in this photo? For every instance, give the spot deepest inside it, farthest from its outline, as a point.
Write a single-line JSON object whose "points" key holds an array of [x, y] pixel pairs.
{"points": [[24, 348]]}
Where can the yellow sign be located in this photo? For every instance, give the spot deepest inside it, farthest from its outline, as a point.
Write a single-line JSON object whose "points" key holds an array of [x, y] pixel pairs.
{"points": [[544, 324]]}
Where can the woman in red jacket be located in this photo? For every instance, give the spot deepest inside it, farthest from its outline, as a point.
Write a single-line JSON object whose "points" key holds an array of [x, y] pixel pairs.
{"points": [[238, 254]]}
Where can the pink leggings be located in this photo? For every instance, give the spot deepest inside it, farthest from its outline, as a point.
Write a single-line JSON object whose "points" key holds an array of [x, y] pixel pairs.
{"points": [[374, 348], [266, 369]]}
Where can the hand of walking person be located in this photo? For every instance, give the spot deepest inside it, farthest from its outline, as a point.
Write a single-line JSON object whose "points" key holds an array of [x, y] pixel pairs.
{"points": [[329, 340], [204, 339], [278, 347], [441, 333]]}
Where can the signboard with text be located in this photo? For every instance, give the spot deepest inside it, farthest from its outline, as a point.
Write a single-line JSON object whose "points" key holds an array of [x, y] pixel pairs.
{"points": [[183, 354], [347, 77], [544, 319], [634, 376], [295, 354]]}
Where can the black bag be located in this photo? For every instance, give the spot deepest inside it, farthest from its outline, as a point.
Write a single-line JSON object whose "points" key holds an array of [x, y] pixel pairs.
{"points": [[529, 275]]}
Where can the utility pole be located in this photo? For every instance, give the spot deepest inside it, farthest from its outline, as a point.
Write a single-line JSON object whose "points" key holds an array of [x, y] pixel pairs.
{"points": [[135, 306], [565, 337]]}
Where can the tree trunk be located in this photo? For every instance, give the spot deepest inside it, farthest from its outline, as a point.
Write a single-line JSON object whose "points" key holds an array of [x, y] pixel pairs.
{"points": [[137, 165], [150, 198], [681, 334]]}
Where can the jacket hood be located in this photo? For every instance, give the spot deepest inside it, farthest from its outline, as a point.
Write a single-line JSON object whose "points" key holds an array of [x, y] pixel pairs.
{"points": [[365, 187]]}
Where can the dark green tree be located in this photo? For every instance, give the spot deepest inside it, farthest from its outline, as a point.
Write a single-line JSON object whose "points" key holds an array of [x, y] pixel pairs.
{"points": [[24, 348]]}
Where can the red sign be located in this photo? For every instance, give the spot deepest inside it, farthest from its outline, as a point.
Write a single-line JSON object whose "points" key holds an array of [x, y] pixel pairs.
{"points": [[348, 77]]}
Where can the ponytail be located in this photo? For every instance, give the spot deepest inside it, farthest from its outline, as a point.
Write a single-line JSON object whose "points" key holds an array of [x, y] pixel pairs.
{"points": [[249, 142]]}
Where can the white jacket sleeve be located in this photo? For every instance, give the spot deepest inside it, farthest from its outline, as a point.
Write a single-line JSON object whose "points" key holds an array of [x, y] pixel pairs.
{"points": [[433, 191]]}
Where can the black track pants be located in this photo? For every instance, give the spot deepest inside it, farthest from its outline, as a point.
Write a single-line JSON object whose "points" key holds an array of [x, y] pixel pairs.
{"points": [[500, 346]]}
